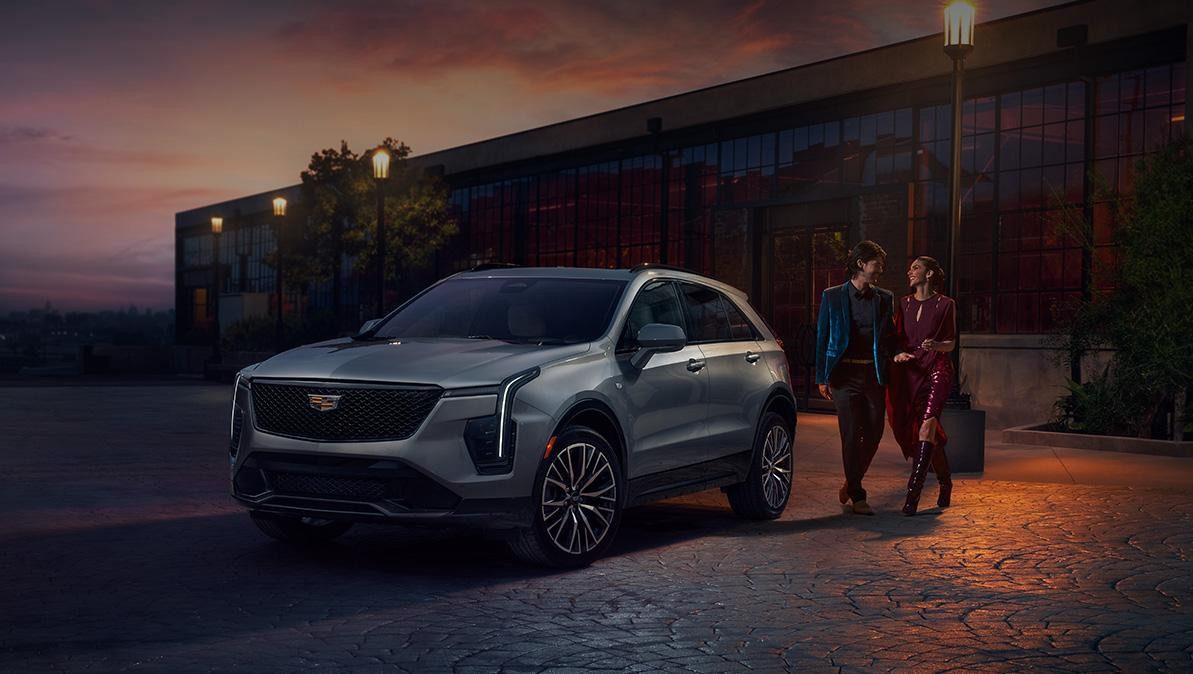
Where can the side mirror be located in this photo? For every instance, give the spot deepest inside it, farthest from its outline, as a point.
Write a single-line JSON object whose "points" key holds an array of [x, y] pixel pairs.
{"points": [[368, 325], [657, 338]]}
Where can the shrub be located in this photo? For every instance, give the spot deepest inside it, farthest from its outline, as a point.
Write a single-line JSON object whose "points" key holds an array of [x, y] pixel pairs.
{"points": [[1146, 321]]}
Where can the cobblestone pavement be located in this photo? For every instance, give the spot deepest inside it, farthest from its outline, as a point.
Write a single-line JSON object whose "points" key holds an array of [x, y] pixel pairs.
{"points": [[119, 549]]}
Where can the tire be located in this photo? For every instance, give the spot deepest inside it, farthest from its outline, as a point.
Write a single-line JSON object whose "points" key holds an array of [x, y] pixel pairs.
{"points": [[300, 530], [578, 498], [764, 494]]}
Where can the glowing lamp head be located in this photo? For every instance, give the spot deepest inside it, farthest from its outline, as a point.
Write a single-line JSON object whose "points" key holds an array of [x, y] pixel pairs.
{"points": [[279, 206], [380, 164], [217, 224], [958, 28]]}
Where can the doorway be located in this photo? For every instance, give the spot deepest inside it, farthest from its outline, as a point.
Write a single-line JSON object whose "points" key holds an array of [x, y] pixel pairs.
{"points": [[798, 264]]}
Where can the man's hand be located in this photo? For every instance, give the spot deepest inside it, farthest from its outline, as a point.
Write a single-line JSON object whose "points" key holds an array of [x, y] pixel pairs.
{"points": [[824, 392], [903, 357]]}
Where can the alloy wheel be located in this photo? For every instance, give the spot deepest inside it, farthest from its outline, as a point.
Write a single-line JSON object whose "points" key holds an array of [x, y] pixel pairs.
{"points": [[579, 498], [776, 466]]}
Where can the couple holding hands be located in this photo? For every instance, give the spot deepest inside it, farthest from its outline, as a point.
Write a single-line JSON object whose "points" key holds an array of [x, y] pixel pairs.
{"points": [[877, 355]]}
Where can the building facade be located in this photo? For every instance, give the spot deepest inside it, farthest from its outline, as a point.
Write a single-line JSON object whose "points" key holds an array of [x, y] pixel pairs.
{"points": [[765, 183]]}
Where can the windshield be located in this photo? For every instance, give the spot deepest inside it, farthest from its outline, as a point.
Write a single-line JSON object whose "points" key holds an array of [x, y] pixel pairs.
{"points": [[525, 310]]}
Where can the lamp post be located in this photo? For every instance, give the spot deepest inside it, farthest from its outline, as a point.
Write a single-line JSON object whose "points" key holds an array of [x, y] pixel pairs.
{"points": [[958, 43], [279, 216], [380, 175], [217, 228]]}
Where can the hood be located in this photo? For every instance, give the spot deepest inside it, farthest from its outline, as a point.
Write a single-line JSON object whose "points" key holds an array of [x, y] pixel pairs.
{"points": [[450, 363]]}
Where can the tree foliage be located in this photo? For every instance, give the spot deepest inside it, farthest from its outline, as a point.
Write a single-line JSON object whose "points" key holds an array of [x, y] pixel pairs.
{"points": [[339, 214], [1146, 321]]}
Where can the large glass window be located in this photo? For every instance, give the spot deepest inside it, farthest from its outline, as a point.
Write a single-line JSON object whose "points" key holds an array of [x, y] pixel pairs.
{"points": [[551, 222], [748, 168], [1135, 112], [597, 204], [1024, 160], [1040, 185], [639, 211]]}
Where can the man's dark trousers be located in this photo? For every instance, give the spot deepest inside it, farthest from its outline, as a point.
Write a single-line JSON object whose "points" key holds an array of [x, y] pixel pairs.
{"points": [[861, 413]]}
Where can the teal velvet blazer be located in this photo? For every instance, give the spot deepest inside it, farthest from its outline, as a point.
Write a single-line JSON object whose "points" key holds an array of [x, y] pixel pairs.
{"points": [[832, 330]]}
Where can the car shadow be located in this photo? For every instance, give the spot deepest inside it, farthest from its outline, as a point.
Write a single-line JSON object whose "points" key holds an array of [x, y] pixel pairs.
{"points": [[93, 590]]}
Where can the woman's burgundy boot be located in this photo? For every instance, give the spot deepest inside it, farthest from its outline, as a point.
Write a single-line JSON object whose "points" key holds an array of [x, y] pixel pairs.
{"points": [[940, 464], [919, 471]]}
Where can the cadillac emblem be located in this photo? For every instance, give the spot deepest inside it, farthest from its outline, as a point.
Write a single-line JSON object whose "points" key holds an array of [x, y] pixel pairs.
{"points": [[322, 403]]}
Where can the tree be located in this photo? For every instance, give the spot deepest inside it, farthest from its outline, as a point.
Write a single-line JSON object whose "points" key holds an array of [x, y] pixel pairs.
{"points": [[339, 216], [1146, 321]]}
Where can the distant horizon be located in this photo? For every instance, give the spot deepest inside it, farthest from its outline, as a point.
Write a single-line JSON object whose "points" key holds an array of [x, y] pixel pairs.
{"points": [[6, 310]]}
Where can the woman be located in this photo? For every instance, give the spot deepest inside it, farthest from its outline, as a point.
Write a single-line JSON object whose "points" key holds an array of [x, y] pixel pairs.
{"points": [[925, 326]]}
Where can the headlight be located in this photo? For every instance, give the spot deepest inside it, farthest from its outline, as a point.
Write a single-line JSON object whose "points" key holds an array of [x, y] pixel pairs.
{"points": [[236, 422], [491, 440]]}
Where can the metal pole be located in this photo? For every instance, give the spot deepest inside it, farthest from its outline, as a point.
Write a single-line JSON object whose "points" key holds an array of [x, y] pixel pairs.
{"points": [[955, 179], [380, 249], [215, 345], [956, 399], [278, 283]]}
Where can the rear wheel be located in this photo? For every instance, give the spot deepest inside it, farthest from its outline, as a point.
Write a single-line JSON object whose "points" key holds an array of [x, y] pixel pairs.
{"points": [[764, 494], [578, 497], [303, 530]]}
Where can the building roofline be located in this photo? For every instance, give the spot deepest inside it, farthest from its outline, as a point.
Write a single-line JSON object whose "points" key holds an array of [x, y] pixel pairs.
{"points": [[1017, 37], [750, 78]]}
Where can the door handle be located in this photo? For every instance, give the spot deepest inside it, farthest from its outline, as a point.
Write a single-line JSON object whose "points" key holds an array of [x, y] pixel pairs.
{"points": [[695, 365], [752, 357]]}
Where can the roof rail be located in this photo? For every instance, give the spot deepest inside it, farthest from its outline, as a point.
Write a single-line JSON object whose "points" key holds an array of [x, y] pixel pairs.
{"points": [[648, 266], [494, 265]]}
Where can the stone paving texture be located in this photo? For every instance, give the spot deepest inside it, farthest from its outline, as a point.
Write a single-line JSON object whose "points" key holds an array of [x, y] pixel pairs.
{"points": [[120, 550]]}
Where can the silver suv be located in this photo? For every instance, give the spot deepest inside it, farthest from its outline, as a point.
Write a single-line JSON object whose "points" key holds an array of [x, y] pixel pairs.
{"points": [[537, 402]]}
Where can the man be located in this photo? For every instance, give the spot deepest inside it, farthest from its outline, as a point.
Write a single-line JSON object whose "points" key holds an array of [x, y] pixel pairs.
{"points": [[854, 335]]}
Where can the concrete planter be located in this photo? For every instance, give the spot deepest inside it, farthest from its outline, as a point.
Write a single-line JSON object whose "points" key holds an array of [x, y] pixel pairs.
{"points": [[967, 439], [1035, 435]]}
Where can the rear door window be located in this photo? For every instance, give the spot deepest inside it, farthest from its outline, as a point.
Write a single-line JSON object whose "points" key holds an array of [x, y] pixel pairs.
{"points": [[706, 314], [740, 327]]}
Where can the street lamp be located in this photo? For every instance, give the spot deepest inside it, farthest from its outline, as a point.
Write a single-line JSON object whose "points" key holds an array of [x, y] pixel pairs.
{"points": [[279, 215], [380, 175], [217, 228], [958, 43]]}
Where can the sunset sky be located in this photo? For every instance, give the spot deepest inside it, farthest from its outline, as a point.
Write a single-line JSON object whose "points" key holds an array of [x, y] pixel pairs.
{"points": [[115, 114]]}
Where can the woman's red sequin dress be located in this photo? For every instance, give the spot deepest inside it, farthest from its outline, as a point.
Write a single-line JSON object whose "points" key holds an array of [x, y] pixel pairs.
{"points": [[918, 388]]}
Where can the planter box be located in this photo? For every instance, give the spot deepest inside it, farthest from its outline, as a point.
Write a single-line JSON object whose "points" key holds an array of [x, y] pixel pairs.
{"points": [[967, 439], [1035, 435]]}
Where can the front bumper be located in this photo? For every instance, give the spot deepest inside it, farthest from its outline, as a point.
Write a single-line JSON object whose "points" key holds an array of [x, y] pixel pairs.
{"points": [[428, 478], [364, 489]]}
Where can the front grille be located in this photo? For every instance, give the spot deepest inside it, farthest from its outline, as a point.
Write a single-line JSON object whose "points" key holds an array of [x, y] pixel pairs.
{"points": [[362, 413], [327, 487]]}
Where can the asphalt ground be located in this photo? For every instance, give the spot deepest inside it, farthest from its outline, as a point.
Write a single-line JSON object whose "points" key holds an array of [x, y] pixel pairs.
{"points": [[121, 550]]}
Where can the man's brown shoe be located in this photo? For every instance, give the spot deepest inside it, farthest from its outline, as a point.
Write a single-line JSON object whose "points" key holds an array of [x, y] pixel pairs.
{"points": [[862, 508], [843, 494]]}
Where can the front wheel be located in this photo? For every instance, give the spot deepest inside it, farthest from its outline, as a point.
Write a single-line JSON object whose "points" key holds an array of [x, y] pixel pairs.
{"points": [[302, 530], [578, 497], [764, 494]]}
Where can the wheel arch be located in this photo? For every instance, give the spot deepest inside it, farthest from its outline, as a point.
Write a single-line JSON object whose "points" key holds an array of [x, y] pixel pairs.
{"points": [[781, 401], [599, 417]]}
